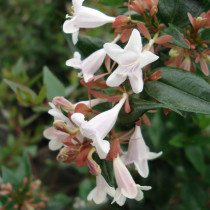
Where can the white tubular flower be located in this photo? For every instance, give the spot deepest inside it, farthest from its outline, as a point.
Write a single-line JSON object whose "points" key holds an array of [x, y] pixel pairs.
{"points": [[127, 188], [84, 17], [138, 153], [89, 65], [99, 126], [131, 60], [92, 102], [55, 137], [99, 193]]}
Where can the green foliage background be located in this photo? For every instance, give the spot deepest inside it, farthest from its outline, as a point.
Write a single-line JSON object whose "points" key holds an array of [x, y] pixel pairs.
{"points": [[32, 61]]}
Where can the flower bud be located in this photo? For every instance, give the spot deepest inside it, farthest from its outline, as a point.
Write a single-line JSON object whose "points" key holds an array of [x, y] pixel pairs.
{"points": [[61, 126], [61, 102], [95, 169], [173, 53], [68, 154]]}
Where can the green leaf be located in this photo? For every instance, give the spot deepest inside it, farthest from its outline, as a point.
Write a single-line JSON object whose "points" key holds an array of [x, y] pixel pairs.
{"points": [[181, 90], [15, 86], [177, 140], [205, 34], [18, 67], [85, 187], [110, 2], [175, 11], [53, 84], [196, 157], [177, 38], [85, 45], [138, 108], [41, 96], [193, 195]]}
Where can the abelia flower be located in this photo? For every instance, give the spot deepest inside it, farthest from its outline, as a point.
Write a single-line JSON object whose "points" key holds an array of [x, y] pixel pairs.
{"points": [[131, 60], [138, 153], [99, 193], [84, 17], [98, 127], [127, 188], [55, 137], [89, 65]]}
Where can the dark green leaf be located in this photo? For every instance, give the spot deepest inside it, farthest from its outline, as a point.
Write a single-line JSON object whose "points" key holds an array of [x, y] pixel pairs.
{"points": [[138, 108], [53, 84], [181, 90], [177, 38], [195, 156], [110, 2], [205, 34], [41, 96], [18, 67], [85, 45], [175, 11], [177, 140], [24, 97], [85, 187], [15, 86], [194, 197]]}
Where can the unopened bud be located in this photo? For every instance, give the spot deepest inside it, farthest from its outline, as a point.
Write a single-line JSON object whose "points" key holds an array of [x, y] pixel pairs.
{"points": [[173, 53], [61, 126], [208, 59], [61, 102], [199, 19], [68, 154], [95, 169]]}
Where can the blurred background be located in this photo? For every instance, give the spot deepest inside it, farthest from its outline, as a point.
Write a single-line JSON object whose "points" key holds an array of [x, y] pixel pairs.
{"points": [[32, 62]]}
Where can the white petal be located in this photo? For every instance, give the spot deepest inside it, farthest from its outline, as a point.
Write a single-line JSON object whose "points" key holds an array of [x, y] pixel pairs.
{"points": [[92, 194], [77, 4], [140, 195], [144, 187], [136, 80], [91, 18], [102, 147], [70, 26], [117, 77], [78, 118], [52, 133], [134, 42], [142, 167], [92, 63], [75, 63], [146, 58], [55, 145], [153, 155], [75, 37]]}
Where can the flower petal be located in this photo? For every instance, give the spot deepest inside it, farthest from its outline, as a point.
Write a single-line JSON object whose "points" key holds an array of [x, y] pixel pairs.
{"points": [[77, 4], [142, 167], [102, 147], [55, 145], [117, 77], [70, 26], [153, 155], [147, 57], [91, 18], [78, 118], [135, 42], [52, 133], [75, 37], [136, 80]]}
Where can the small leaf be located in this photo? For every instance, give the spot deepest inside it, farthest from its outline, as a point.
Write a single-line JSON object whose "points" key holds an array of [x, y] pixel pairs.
{"points": [[177, 38], [15, 86], [53, 84], [41, 96], [195, 156], [18, 67], [205, 34], [177, 140]]}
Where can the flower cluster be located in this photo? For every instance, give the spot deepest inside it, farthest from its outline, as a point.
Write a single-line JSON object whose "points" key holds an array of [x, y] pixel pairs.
{"points": [[79, 131]]}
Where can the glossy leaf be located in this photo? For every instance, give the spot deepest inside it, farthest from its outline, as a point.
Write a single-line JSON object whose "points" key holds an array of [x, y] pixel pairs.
{"points": [[195, 156], [205, 34], [181, 90], [175, 11], [53, 84], [138, 108], [177, 38]]}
